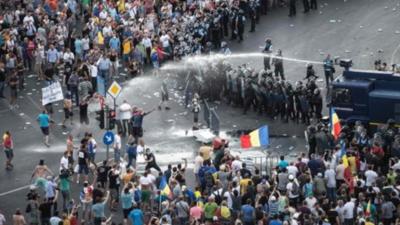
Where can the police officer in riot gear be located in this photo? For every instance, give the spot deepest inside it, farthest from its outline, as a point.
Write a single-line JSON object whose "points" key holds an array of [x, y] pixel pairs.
{"points": [[267, 50], [310, 74], [278, 63], [252, 15], [306, 6], [314, 4], [329, 70], [240, 21], [233, 17], [292, 8]]}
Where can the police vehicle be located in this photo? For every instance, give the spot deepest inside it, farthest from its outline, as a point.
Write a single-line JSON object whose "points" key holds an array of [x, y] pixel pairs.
{"points": [[372, 97]]}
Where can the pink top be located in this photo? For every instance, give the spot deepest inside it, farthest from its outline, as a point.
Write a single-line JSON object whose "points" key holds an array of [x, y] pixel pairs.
{"points": [[195, 212]]}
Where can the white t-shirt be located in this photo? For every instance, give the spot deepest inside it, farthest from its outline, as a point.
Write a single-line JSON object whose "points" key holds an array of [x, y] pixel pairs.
{"points": [[236, 165], [311, 201], [146, 42], [330, 176], [292, 170], [289, 188], [93, 71], [63, 164], [146, 181], [2, 219], [198, 162], [348, 210], [165, 40], [370, 176], [117, 142]]}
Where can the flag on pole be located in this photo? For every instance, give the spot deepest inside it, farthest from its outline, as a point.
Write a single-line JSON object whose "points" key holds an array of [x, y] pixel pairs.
{"points": [[335, 124], [368, 209], [256, 138], [164, 188]]}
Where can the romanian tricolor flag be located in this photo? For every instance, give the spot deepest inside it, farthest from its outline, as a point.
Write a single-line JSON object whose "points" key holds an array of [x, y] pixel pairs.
{"points": [[368, 209], [256, 138], [164, 188], [335, 124]]}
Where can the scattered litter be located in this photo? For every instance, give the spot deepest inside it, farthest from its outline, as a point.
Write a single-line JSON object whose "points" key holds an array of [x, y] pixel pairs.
{"points": [[397, 32], [320, 80], [291, 25], [60, 124], [294, 136], [21, 97], [371, 53], [122, 74], [25, 128], [347, 51], [285, 135], [22, 114], [320, 12], [33, 89], [278, 146], [291, 148], [65, 133], [32, 75], [234, 125], [29, 93], [394, 9], [170, 121], [183, 113], [332, 21], [380, 30], [321, 53], [28, 123], [339, 21], [386, 7], [361, 27]]}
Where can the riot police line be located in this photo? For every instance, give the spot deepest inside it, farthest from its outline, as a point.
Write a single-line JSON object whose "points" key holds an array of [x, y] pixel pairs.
{"points": [[244, 87]]}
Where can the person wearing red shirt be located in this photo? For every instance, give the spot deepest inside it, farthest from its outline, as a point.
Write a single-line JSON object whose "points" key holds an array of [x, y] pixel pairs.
{"points": [[8, 146]]}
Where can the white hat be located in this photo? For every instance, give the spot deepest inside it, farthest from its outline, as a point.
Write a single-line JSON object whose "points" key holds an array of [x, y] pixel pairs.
{"points": [[319, 174], [291, 177], [273, 198]]}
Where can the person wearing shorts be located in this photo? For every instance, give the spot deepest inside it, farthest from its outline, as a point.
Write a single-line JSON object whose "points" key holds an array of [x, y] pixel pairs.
{"points": [[8, 145], [83, 161], [44, 123]]}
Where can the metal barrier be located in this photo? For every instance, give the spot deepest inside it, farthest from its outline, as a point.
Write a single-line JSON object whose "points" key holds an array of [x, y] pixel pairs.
{"points": [[265, 164]]}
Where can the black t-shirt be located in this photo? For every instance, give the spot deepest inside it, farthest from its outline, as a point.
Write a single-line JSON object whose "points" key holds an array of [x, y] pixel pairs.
{"points": [[102, 172], [82, 157], [113, 180], [332, 215], [45, 209], [14, 82], [2, 76]]}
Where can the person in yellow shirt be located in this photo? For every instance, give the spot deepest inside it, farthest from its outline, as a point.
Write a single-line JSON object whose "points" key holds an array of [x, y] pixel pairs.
{"points": [[126, 51], [244, 183], [352, 163]]}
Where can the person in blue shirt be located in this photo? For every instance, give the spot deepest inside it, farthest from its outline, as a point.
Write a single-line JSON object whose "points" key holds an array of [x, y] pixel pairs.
{"points": [[248, 213], [78, 48], [126, 200], [98, 209], [136, 216], [44, 123], [275, 221], [283, 163], [115, 43]]}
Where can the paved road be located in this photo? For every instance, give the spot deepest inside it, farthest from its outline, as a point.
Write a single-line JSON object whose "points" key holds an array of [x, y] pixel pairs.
{"points": [[342, 28]]}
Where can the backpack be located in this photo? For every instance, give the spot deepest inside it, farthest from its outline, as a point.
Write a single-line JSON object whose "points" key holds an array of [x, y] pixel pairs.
{"points": [[137, 195], [295, 188], [219, 196], [209, 179]]}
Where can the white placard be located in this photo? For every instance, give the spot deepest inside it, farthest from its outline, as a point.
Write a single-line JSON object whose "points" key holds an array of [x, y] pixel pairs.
{"points": [[52, 93]]}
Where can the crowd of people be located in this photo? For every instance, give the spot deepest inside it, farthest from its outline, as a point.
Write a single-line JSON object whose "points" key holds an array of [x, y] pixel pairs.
{"points": [[353, 179]]}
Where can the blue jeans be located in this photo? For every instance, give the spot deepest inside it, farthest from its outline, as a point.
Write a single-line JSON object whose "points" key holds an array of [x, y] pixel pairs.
{"points": [[104, 74], [117, 155], [131, 161], [331, 194], [2, 88]]}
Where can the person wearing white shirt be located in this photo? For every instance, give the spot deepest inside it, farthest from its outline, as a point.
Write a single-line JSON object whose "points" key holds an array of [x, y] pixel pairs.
{"points": [[125, 115], [93, 74], [370, 176], [2, 219], [330, 177], [117, 146], [292, 169], [68, 56], [147, 44], [64, 162], [236, 165], [198, 162], [348, 212]]}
